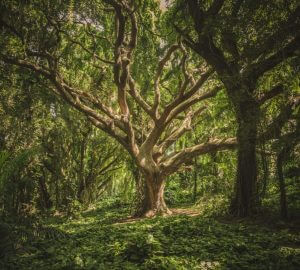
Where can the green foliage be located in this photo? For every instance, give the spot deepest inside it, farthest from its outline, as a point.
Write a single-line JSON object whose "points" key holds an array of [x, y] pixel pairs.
{"points": [[10, 167], [214, 205], [100, 240], [14, 179]]}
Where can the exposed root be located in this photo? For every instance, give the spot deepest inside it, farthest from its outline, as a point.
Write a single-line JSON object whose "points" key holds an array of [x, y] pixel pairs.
{"points": [[164, 213], [161, 212]]}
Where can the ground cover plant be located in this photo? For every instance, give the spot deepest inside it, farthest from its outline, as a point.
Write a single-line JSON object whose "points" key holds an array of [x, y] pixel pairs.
{"points": [[104, 238]]}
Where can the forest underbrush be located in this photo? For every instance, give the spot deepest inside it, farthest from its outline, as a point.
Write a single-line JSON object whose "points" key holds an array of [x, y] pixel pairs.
{"points": [[193, 237]]}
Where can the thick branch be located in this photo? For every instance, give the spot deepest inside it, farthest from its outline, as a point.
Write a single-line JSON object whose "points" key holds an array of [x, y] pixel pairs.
{"points": [[187, 38], [278, 89], [191, 101], [260, 68], [109, 130], [73, 98], [181, 98], [178, 131], [169, 114], [134, 30], [188, 79], [175, 160], [273, 130], [159, 71], [287, 29], [123, 55], [215, 7], [197, 15], [84, 96], [139, 99], [26, 64]]}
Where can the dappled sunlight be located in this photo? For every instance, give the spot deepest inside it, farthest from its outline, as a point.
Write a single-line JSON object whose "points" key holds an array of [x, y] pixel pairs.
{"points": [[182, 241]]}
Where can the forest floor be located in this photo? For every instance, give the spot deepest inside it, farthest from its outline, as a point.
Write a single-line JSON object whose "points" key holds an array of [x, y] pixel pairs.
{"points": [[174, 211], [190, 239]]}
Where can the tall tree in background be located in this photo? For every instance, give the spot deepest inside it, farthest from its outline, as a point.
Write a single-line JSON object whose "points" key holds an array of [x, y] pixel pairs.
{"points": [[100, 61], [242, 41]]}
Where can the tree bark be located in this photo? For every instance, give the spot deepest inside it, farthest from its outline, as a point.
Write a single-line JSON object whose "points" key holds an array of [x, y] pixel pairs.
{"points": [[45, 196], [82, 183], [245, 201], [140, 186], [283, 200], [153, 202], [195, 188], [215, 187], [265, 176]]}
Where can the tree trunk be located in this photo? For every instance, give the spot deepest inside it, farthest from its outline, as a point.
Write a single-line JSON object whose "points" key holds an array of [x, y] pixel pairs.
{"points": [[215, 182], [245, 200], [283, 201], [140, 186], [82, 183], [45, 196], [265, 168], [195, 189], [153, 202]]}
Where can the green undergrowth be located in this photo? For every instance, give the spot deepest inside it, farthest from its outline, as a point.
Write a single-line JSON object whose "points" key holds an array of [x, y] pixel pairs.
{"points": [[102, 238]]}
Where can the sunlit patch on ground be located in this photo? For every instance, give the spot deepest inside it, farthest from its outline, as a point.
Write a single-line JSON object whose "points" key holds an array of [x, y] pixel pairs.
{"points": [[100, 239]]}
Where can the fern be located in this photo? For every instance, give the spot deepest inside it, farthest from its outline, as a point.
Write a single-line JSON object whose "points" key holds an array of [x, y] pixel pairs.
{"points": [[11, 168]]}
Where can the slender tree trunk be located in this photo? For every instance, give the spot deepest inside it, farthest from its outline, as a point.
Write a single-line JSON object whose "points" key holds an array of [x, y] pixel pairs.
{"points": [[82, 184], [57, 197], [283, 201], [265, 173], [195, 189], [245, 200], [215, 188], [153, 202], [44, 193]]}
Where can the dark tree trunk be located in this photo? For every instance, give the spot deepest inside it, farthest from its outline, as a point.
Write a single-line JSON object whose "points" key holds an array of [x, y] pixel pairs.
{"points": [[82, 183], [195, 189], [80, 192], [283, 201], [265, 177], [57, 197], [215, 187], [153, 202], [245, 199], [44, 193]]}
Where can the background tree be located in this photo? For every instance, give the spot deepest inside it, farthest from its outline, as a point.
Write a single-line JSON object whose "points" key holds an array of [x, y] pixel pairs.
{"points": [[51, 158], [242, 41]]}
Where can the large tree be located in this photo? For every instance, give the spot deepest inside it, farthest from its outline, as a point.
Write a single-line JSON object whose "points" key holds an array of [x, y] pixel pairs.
{"points": [[242, 41], [109, 61]]}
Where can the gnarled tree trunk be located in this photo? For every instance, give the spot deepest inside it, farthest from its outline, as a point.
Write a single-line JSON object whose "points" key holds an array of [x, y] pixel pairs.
{"points": [[153, 202], [245, 200]]}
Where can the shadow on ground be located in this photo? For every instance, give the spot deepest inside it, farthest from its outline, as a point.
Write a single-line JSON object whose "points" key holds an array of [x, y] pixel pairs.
{"points": [[103, 239]]}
